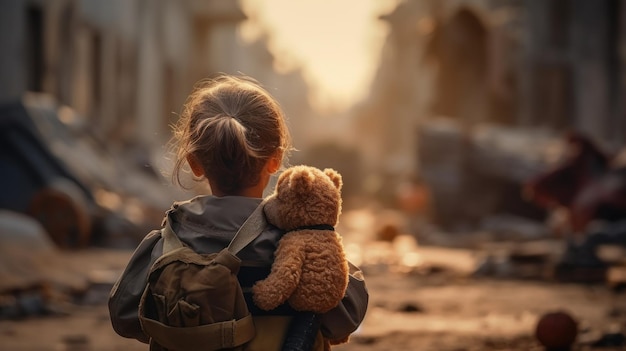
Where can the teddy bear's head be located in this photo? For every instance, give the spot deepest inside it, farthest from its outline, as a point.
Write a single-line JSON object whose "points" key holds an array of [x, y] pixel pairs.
{"points": [[305, 196]]}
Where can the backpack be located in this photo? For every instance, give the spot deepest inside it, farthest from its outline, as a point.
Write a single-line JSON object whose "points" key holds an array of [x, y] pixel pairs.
{"points": [[194, 301]]}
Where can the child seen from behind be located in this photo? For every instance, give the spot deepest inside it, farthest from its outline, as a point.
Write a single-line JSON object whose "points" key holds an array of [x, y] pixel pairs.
{"points": [[233, 134]]}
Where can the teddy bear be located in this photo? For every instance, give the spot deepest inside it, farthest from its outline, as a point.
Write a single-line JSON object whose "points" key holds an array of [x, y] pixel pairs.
{"points": [[310, 269]]}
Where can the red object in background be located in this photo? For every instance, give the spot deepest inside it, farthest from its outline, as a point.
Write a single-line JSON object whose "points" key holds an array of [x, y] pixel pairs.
{"points": [[585, 183], [414, 197], [556, 331]]}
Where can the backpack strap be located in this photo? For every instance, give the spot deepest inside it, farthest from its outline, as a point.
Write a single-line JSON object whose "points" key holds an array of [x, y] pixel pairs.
{"points": [[171, 241], [209, 337], [251, 228]]}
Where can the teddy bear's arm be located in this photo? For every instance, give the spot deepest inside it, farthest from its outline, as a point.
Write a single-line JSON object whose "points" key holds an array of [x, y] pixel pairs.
{"points": [[284, 277]]}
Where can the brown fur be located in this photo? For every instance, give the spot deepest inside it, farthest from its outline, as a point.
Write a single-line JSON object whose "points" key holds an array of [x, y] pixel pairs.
{"points": [[310, 269]]}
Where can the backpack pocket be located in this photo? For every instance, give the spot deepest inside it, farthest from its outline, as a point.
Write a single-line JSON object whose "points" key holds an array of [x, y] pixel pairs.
{"points": [[195, 301], [184, 314]]}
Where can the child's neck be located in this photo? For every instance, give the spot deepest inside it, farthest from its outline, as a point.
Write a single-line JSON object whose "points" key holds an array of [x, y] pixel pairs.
{"points": [[253, 191]]}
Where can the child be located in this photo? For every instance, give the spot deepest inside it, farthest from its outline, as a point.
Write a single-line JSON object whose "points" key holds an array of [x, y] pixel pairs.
{"points": [[233, 133]]}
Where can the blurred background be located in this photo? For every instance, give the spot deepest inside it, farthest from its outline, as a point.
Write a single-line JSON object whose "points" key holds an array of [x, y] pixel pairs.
{"points": [[478, 125]]}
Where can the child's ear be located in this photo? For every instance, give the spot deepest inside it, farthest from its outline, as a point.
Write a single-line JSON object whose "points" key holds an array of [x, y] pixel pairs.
{"points": [[195, 166], [273, 164]]}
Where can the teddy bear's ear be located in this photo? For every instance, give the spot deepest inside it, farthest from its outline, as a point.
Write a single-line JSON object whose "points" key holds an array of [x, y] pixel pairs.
{"points": [[283, 179], [302, 179], [284, 175], [335, 177]]}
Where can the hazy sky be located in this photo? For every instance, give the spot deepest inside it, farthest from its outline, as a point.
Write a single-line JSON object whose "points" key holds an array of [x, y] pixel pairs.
{"points": [[337, 42]]}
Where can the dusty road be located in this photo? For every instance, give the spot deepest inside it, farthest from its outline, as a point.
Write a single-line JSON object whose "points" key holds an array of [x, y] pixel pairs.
{"points": [[434, 309]]}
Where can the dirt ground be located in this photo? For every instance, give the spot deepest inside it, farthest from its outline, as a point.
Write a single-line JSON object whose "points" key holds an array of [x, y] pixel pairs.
{"points": [[422, 297], [436, 309]]}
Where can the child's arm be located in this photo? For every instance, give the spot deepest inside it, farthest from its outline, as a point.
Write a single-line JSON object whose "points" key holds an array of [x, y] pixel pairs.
{"points": [[341, 321], [127, 291]]}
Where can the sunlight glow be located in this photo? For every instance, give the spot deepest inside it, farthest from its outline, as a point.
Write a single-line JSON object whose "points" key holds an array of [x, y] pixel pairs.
{"points": [[337, 43]]}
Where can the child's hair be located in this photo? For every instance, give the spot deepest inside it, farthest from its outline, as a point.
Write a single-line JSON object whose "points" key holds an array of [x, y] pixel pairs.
{"points": [[231, 126]]}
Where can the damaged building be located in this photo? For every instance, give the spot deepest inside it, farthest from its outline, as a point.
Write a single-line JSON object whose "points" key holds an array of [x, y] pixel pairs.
{"points": [[474, 96], [88, 92]]}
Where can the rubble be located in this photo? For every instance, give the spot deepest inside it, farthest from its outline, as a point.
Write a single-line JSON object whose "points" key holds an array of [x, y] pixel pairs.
{"points": [[81, 189]]}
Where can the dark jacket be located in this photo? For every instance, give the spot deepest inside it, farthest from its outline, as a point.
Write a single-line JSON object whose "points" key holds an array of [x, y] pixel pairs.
{"points": [[207, 224]]}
